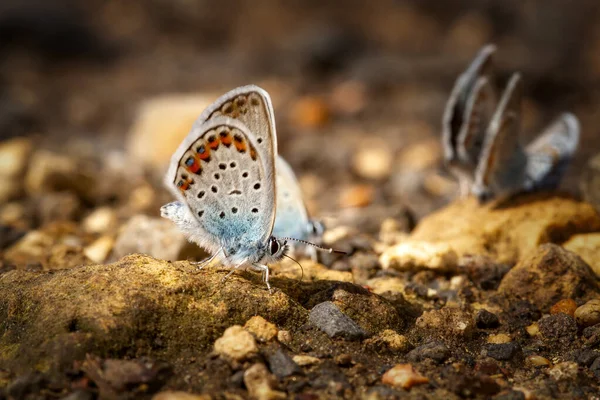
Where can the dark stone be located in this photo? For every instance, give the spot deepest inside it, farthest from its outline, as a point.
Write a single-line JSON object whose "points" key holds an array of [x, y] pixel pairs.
{"points": [[510, 395], [484, 272], [585, 357], [280, 363], [9, 235], [486, 320], [435, 351], [558, 327], [595, 367], [502, 351], [330, 319]]}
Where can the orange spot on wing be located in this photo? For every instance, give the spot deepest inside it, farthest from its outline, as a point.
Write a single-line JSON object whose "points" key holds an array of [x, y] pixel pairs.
{"points": [[252, 152], [203, 152], [225, 138], [213, 142], [239, 143]]}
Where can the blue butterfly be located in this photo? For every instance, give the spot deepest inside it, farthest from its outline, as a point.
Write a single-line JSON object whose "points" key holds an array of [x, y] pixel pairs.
{"points": [[292, 217]]}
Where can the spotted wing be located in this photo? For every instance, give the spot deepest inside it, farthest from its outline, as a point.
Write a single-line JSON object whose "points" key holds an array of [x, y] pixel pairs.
{"points": [[501, 167], [454, 112], [291, 219], [222, 177], [479, 110], [252, 106], [549, 155]]}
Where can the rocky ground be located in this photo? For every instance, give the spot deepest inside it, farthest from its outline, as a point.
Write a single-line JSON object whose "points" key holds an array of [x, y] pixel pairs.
{"points": [[437, 298]]}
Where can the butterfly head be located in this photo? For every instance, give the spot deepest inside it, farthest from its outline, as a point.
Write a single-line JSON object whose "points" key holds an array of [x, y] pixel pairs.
{"points": [[276, 248]]}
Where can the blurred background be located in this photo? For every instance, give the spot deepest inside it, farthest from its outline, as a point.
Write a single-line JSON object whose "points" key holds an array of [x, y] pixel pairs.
{"points": [[104, 91]]}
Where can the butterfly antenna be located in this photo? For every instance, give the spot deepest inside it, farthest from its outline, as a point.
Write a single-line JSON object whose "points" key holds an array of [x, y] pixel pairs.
{"points": [[296, 261], [329, 250]]}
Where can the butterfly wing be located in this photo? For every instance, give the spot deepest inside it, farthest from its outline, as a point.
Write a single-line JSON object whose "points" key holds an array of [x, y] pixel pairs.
{"points": [[291, 218], [501, 167], [222, 177], [454, 112], [549, 155]]}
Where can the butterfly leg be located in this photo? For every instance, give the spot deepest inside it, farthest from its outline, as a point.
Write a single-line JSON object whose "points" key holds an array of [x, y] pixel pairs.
{"points": [[464, 186], [205, 262], [232, 271], [265, 270]]}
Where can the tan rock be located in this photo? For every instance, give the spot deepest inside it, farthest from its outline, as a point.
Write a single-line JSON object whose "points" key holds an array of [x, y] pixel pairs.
{"points": [[547, 275], [533, 330], [537, 361], [588, 314], [447, 322], [14, 156], [356, 196], [499, 338], [383, 284], [566, 370], [99, 249], [390, 340], [373, 162], [262, 329], [403, 376], [169, 395], [587, 246], [101, 220], [260, 383], [284, 337], [161, 124], [565, 306], [303, 360], [236, 343], [505, 231], [415, 255], [311, 271]]}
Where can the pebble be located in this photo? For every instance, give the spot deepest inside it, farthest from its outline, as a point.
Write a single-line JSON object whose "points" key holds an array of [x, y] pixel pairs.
{"points": [[533, 329], [172, 395], [330, 319], [447, 322], [58, 206], [343, 360], [595, 367], [160, 125], [403, 376], [360, 195], [566, 370], [373, 162], [284, 337], [486, 320], [156, 237], [502, 351], [51, 171], [14, 156], [101, 220], [99, 249], [280, 363], [236, 343], [390, 340], [588, 314], [415, 255], [435, 351], [499, 338], [310, 112], [558, 328], [262, 329], [565, 306], [303, 360], [538, 361], [260, 383]]}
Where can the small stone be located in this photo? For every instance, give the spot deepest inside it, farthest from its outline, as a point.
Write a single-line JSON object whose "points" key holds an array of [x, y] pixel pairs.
{"points": [[236, 343], [502, 351], [511, 395], [260, 383], [309, 112], [538, 361], [58, 206], [390, 340], [486, 320], [360, 195], [447, 322], [349, 97], [565, 306], [587, 246], [499, 338], [403, 376], [343, 360], [595, 367], [280, 363], [155, 237], [533, 330], [566, 370], [558, 328], [99, 249], [588, 314], [262, 329], [414, 255], [284, 337], [101, 220], [330, 319], [435, 351], [304, 361], [373, 162], [14, 156], [169, 395]]}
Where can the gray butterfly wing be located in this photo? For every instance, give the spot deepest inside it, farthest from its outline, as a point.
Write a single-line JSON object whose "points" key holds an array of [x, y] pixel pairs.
{"points": [[549, 155], [291, 219], [222, 177], [454, 112], [479, 109], [501, 167]]}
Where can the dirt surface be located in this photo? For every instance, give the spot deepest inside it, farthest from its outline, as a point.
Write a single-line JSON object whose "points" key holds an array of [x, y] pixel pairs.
{"points": [[437, 298]]}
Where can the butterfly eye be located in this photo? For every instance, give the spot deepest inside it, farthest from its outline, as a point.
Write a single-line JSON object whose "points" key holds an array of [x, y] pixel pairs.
{"points": [[273, 246]]}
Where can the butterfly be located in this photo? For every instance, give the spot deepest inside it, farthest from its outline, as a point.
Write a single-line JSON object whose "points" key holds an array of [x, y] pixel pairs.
{"points": [[292, 217], [506, 166], [466, 117], [224, 177]]}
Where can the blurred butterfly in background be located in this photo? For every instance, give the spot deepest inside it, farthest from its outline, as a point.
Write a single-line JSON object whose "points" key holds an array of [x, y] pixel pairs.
{"points": [[292, 217], [223, 175], [466, 117]]}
